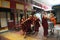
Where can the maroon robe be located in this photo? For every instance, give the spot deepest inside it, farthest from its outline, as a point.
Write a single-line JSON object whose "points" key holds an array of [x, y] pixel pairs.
{"points": [[26, 26], [45, 26], [36, 25]]}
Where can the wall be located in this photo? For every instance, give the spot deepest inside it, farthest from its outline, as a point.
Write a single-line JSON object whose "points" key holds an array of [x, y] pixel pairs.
{"points": [[58, 16]]}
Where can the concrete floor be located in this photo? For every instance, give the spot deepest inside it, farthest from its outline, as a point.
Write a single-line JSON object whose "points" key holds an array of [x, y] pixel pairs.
{"points": [[17, 35]]}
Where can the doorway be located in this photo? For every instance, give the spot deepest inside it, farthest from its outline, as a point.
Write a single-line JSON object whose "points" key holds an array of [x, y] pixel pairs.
{"points": [[4, 19]]}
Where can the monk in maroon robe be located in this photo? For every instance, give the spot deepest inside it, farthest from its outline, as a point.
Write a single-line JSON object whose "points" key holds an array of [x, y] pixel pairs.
{"points": [[36, 25], [45, 25], [26, 25]]}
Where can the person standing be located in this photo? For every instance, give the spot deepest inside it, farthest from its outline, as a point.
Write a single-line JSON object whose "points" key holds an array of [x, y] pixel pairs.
{"points": [[45, 24], [36, 25], [52, 19]]}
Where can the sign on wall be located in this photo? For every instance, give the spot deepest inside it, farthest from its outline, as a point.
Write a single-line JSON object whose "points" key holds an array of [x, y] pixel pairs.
{"points": [[19, 6], [29, 8], [6, 4]]}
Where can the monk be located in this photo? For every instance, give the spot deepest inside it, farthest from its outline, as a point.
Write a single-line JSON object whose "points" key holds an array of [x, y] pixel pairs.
{"points": [[52, 19], [19, 26], [36, 25], [45, 24]]}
